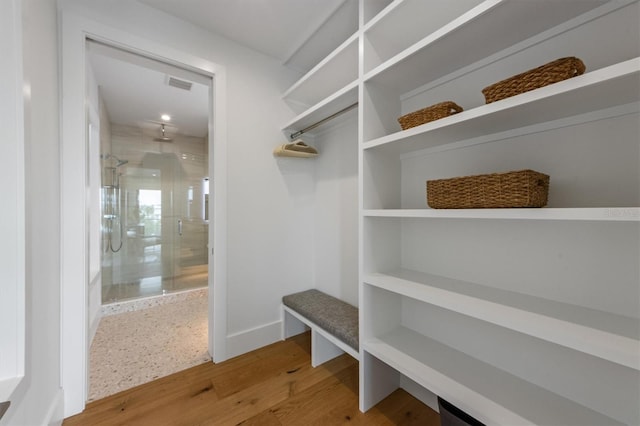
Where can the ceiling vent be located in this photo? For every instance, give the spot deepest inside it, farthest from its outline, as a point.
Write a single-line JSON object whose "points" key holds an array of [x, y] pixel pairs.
{"points": [[180, 84]]}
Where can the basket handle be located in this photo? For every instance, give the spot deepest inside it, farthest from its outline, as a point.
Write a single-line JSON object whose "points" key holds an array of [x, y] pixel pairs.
{"points": [[579, 66], [455, 107]]}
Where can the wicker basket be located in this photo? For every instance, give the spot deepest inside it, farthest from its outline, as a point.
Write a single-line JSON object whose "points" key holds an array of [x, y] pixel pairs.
{"points": [[553, 72], [524, 188], [432, 113]]}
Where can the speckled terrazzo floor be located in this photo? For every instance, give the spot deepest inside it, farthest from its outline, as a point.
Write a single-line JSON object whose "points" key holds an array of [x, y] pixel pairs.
{"points": [[133, 348]]}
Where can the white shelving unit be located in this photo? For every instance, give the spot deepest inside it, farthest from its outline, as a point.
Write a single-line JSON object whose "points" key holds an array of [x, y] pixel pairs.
{"points": [[623, 214], [417, 20], [545, 106], [609, 336], [505, 26], [332, 84], [339, 100], [517, 316], [333, 73], [327, 88], [436, 318], [471, 383]]}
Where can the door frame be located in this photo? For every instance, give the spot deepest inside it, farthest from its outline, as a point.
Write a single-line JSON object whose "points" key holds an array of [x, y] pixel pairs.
{"points": [[13, 216], [75, 30]]}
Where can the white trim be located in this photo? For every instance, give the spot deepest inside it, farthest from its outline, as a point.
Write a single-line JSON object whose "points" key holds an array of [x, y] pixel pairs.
{"points": [[218, 231], [12, 217], [73, 270], [254, 338], [55, 413], [74, 273], [419, 392]]}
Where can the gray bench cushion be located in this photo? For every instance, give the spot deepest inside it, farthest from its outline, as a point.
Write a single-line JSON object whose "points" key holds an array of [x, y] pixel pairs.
{"points": [[336, 317]]}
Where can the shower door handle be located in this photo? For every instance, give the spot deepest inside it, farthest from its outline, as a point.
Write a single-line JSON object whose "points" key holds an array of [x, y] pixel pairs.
{"points": [[180, 227]]}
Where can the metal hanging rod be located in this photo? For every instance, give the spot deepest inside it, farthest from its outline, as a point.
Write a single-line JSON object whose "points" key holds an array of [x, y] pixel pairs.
{"points": [[324, 120]]}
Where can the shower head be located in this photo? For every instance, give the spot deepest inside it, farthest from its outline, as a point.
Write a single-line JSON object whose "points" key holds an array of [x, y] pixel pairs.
{"points": [[119, 162], [164, 137]]}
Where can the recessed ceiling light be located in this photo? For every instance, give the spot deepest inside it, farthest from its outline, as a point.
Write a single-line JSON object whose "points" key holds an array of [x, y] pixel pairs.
{"points": [[165, 117]]}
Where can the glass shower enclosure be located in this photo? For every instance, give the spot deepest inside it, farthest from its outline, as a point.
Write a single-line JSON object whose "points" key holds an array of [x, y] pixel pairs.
{"points": [[155, 224]]}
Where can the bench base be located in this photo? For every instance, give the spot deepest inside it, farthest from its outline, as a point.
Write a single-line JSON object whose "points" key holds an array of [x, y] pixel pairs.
{"points": [[324, 346]]}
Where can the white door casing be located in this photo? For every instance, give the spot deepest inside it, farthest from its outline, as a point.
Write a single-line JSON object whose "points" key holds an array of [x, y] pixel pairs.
{"points": [[12, 216], [74, 227]]}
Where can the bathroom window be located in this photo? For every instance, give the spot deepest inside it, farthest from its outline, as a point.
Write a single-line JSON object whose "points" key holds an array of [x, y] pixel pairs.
{"points": [[150, 202]]}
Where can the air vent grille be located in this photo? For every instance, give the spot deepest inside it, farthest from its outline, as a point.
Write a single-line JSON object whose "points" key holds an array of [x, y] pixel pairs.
{"points": [[180, 84]]}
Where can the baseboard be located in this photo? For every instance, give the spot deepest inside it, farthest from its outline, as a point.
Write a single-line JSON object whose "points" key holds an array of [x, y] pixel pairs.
{"points": [[55, 413], [422, 394], [249, 340]]}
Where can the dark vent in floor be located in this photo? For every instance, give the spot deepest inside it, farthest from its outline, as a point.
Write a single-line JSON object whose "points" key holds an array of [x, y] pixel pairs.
{"points": [[180, 84]]}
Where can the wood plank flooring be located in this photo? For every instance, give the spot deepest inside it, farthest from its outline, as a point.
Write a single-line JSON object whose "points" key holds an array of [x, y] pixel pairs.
{"points": [[272, 386]]}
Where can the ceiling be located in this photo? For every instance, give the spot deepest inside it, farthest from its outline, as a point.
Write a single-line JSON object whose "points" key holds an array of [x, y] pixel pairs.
{"points": [[277, 28], [136, 92], [297, 33]]}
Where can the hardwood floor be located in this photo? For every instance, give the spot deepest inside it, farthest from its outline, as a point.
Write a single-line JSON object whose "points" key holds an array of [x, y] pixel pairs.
{"points": [[272, 386]]}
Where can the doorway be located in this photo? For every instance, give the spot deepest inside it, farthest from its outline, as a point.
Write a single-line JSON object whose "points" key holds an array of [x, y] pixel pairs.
{"points": [[154, 174], [76, 270], [151, 121]]}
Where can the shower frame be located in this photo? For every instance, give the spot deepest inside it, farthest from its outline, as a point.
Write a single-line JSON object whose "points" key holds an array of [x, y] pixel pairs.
{"points": [[111, 203]]}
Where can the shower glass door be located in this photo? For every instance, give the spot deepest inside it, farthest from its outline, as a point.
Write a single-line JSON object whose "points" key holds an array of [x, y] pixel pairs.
{"points": [[156, 240], [190, 260]]}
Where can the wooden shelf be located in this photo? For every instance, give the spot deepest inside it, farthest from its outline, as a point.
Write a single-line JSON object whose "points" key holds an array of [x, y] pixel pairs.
{"points": [[337, 70], [344, 97], [614, 338], [613, 214], [474, 36], [579, 95], [469, 383]]}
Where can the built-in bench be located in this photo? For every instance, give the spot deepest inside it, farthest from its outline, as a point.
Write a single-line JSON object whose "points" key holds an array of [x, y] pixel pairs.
{"points": [[333, 324]]}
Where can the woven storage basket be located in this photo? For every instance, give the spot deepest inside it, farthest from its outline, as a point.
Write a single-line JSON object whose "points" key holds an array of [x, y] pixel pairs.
{"points": [[553, 72], [432, 113], [523, 188]]}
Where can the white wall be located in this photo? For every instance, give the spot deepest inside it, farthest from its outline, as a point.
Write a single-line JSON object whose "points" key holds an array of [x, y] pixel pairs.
{"points": [[37, 399], [267, 235], [336, 209]]}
